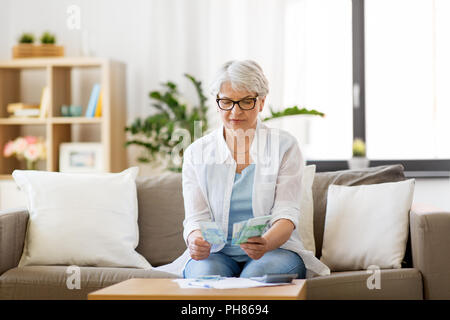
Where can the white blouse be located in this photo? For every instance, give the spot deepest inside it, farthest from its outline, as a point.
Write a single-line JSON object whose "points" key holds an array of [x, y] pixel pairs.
{"points": [[208, 176]]}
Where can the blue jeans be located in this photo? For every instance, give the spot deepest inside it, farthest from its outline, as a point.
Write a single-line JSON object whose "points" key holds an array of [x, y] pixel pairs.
{"points": [[275, 261]]}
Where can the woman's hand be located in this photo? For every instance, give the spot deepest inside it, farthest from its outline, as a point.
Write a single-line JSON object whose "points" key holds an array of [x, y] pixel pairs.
{"points": [[255, 247], [199, 248]]}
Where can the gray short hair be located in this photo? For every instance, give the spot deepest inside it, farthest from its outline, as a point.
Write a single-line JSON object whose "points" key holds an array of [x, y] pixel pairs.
{"points": [[243, 75]]}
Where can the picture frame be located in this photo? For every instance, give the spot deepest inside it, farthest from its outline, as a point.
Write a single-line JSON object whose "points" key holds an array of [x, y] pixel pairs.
{"points": [[81, 157]]}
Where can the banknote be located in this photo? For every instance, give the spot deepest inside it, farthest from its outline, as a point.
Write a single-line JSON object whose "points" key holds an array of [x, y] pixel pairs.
{"points": [[212, 233], [253, 227]]}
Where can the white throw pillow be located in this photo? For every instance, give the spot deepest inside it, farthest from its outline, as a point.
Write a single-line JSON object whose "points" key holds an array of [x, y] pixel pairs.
{"points": [[81, 219], [306, 221], [367, 225]]}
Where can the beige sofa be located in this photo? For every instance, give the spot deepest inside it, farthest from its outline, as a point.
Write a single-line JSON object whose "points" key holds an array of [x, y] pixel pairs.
{"points": [[425, 272]]}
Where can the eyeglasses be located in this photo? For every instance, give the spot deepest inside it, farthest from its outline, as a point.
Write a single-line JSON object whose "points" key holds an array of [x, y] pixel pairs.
{"points": [[244, 104]]}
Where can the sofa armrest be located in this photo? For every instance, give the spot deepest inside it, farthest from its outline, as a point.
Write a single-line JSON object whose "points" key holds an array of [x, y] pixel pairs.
{"points": [[13, 227], [430, 241]]}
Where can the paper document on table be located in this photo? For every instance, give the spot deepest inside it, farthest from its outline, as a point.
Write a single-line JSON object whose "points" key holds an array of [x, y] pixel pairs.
{"points": [[253, 227], [212, 233], [224, 283]]}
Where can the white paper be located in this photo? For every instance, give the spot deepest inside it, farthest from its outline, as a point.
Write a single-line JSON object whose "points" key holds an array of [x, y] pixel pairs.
{"points": [[227, 283]]}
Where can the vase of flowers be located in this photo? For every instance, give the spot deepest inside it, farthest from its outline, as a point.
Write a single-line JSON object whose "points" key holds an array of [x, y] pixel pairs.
{"points": [[28, 148], [359, 160]]}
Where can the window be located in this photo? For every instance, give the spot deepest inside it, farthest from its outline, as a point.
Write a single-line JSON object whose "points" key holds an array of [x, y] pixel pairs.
{"points": [[401, 78], [407, 66], [318, 51]]}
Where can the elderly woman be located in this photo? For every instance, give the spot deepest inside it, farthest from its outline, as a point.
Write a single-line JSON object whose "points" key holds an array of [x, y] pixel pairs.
{"points": [[239, 171]]}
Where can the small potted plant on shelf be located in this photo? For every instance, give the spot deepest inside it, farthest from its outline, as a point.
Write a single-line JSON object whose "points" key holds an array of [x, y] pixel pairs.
{"points": [[28, 148], [359, 159], [48, 38], [48, 47], [25, 47]]}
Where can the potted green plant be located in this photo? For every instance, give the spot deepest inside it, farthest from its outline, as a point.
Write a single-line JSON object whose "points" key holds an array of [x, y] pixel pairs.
{"points": [[48, 38], [26, 38], [48, 47], [359, 159], [24, 48], [154, 134]]}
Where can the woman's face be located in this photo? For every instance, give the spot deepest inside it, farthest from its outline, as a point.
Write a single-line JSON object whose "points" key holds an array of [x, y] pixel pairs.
{"points": [[236, 118]]}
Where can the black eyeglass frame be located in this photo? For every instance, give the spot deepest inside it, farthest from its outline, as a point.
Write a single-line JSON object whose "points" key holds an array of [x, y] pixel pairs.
{"points": [[237, 102]]}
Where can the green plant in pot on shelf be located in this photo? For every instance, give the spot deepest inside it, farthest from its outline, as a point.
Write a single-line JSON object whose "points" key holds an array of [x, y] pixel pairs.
{"points": [[359, 159], [47, 47], [28, 148], [48, 38], [157, 134], [26, 38]]}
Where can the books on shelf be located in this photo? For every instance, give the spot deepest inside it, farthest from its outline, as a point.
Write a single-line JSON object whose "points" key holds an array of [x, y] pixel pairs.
{"points": [[21, 109], [20, 106], [27, 112], [98, 109], [93, 101]]}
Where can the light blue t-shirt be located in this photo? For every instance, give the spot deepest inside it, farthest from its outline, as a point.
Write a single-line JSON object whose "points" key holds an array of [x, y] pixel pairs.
{"points": [[240, 209]]}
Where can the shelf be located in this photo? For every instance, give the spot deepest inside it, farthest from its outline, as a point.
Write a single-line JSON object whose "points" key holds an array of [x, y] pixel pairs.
{"points": [[68, 120], [22, 121], [75, 120], [70, 81], [57, 62]]}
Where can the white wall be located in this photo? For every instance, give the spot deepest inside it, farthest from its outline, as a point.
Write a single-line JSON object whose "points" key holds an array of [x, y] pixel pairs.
{"points": [[434, 192], [4, 29]]}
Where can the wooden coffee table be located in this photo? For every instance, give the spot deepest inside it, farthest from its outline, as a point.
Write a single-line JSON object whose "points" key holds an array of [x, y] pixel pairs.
{"points": [[167, 289]]}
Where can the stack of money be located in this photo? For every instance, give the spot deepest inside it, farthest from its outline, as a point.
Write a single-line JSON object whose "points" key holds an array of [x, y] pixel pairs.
{"points": [[253, 227]]}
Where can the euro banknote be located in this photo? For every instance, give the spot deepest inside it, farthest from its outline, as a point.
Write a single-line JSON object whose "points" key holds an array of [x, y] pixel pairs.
{"points": [[253, 227], [212, 233]]}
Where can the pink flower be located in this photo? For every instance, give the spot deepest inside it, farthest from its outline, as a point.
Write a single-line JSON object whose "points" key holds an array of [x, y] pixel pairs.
{"points": [[31, 139], [20, 145], [8, 150], [29, 147], [32, 153]]}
